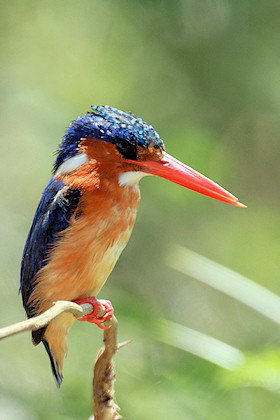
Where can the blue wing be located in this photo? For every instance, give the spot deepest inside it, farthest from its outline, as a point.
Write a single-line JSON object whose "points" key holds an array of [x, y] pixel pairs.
{"points": [[52, 216]]}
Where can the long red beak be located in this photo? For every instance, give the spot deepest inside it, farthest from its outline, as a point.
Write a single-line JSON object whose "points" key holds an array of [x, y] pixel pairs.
{"points": [[181, 174]]}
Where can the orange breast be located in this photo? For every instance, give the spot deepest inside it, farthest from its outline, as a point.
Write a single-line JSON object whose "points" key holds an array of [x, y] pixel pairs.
{"points": [[90, 247]]}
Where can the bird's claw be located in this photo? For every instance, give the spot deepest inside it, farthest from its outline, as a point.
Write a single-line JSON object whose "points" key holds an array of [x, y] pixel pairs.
{"points": [[98, 305]]}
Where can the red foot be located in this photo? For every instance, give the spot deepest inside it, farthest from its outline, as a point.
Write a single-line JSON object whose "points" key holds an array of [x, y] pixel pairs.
{"points": [[93, 316]]}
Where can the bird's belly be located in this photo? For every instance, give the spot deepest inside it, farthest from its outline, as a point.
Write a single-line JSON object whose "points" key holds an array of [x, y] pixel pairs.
{"points": [[84, 256], [99, 258]]}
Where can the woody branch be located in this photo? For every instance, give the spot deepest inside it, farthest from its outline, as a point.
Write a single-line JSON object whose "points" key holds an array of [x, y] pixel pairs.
{"points": [[105, 407]]}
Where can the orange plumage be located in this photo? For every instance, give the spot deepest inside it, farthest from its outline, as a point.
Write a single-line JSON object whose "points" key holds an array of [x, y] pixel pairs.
{"points": [[89, 248]]}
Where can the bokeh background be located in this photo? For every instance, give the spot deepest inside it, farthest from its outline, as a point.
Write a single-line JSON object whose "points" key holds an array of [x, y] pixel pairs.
{"points": [[206, 75]]}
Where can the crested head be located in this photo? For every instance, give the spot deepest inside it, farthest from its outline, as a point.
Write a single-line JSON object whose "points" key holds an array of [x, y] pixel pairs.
{"points": [[110, 144], [129, 134]]}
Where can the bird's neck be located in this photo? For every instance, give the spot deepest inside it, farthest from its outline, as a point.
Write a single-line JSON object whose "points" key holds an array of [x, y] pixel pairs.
{"points": [[105, 201]]}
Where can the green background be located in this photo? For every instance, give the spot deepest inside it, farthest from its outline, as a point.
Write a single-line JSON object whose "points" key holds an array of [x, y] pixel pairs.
{"points": [[205, 74]]}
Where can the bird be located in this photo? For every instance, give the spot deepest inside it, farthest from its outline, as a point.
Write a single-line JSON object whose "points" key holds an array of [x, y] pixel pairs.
{"points": [[86, 215]]}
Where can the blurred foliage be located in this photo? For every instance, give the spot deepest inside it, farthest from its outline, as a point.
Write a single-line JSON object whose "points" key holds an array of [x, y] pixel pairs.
{"points": [[206, 75], [262, 369]]}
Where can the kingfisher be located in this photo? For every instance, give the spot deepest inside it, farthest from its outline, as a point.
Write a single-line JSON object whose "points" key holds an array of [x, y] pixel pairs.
{"points": [[86, 215]]}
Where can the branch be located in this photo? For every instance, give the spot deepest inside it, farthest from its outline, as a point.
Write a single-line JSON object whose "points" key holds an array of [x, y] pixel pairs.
{"points": [[104, 376], [45, 318], [105, 407]]}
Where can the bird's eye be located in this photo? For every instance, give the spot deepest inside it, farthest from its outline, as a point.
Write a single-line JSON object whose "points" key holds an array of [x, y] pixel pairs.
{"points": [[127, 149]]}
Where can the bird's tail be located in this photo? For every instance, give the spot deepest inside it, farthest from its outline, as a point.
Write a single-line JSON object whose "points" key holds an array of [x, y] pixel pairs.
{"points": [[55, 342], [55, 370]]}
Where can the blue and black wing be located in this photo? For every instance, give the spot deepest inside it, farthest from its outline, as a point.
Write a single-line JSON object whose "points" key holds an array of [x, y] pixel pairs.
{"points": [[52, 216]]}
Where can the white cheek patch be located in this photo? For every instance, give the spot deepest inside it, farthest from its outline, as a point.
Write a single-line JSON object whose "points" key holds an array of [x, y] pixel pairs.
{"points": [[131, 178], [72, 163]]}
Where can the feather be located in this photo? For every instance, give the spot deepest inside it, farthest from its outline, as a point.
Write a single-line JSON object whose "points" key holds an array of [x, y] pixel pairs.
{"points": [[52, 216]]}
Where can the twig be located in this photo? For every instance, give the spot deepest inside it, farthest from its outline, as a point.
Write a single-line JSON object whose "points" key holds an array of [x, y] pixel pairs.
{"points": [[104, 376], [45, 318]]}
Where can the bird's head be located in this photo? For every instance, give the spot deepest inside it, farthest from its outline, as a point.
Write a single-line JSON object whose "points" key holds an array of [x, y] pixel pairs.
{"points": [[124, 145]]}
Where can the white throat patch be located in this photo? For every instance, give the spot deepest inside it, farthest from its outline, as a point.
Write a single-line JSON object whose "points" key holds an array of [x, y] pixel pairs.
{"points": [[131, 178], [72, 163]]}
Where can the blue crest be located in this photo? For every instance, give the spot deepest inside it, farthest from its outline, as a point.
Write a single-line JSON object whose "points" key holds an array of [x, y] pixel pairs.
{"points": [[123, 129]]}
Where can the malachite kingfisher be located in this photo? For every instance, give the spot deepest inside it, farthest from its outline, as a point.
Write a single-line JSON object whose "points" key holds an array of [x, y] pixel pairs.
{"points": [[87, 212]]}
